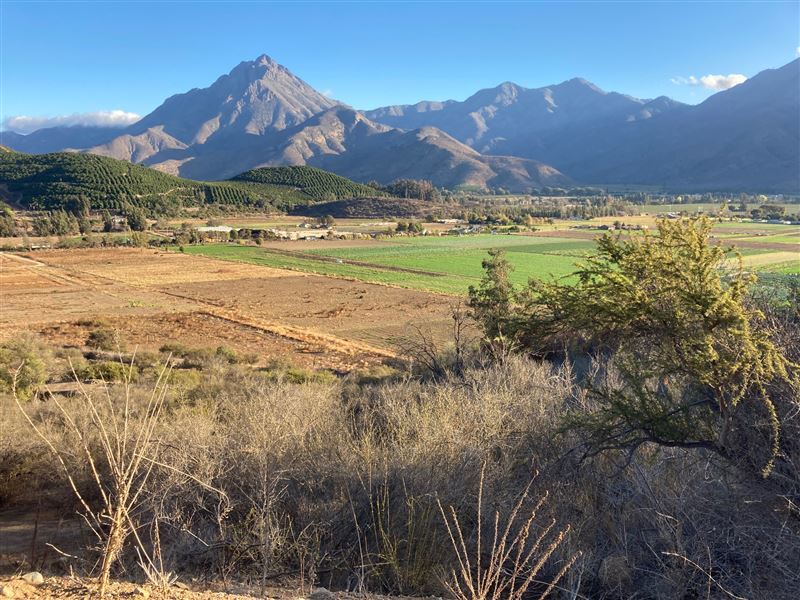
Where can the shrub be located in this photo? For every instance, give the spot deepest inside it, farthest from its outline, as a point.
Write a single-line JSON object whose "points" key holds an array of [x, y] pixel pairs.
{"points": [[105, 370], [686, 359], [24, 363], [227, 354], [105, 338], [338, 485]]}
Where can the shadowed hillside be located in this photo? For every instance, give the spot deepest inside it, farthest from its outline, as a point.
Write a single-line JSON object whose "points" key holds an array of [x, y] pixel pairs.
{"points": [[48, 181]]}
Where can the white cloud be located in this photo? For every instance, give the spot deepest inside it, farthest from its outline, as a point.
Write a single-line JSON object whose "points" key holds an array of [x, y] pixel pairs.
{"points": [[327, 93], [797, 51], [711, 82], [101, 118]]}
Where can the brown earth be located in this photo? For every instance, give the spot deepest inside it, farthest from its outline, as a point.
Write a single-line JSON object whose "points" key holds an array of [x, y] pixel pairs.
{"points": [[154, 297], [78, 588]]}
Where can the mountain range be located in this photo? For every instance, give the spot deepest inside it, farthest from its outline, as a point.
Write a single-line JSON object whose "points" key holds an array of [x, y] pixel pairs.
{"points": [[260, 114]]}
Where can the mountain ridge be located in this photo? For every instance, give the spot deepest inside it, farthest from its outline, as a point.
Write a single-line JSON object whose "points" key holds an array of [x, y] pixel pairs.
{"points": [[261, 114]]}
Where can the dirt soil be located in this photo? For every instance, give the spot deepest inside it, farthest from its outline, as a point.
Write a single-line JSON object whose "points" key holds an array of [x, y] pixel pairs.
{"points": [[75, 588], [154, 297]]}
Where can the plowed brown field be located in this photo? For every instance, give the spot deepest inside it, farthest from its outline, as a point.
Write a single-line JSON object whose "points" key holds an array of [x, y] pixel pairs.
{"points": [[153, 297]]}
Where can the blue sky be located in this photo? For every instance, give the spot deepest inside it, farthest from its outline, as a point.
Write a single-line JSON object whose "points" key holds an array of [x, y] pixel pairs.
{"points": [[60, 58]]}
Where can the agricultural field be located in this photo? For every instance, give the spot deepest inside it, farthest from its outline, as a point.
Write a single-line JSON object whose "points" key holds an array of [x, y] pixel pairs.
{"points": [[439, 264], [451, 264], [314, 322], [50, 181], [324, 304], [707, 207]]}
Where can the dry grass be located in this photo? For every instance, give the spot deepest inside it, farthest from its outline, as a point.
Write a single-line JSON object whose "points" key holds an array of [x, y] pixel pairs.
{"points": [[119, 465], [338, 484], [517, 553]]}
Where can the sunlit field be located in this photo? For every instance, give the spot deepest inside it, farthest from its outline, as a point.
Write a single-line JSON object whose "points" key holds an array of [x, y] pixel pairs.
{"points": [[451, 264]]}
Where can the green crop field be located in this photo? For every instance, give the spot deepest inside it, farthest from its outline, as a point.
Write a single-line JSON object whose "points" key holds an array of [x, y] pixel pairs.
{"points": [[445, 264], [439, 264], [774, 239]]}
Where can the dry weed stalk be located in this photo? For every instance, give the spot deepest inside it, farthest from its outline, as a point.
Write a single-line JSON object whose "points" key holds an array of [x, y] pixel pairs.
{"points": [[515, 559], [127, 446]]}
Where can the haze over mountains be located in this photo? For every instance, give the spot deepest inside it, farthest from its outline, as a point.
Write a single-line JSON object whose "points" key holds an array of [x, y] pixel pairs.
{"points": [[260, 114]]}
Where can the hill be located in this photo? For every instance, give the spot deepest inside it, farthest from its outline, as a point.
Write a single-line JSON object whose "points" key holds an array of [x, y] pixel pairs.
{"points": [[509, 118], [309, 180], [746, 138], [262, 115], [367, 208], [48, 181], [344, 141]]}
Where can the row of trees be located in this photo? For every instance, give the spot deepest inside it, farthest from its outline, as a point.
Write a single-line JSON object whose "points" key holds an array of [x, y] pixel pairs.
{"points": [[417, 189], [409, 227], [78, 220]]}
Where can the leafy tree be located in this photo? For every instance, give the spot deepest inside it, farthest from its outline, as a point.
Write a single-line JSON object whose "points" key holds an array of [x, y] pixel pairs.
{"points": [[25, 359], [57, 222], [84, 224], [7, 225], [693, 363], [136, 217], [773, 211], [42, 225], [108, 222], [420, 189], [77, 206], [326, 221], [492, 302], [63, 223]]}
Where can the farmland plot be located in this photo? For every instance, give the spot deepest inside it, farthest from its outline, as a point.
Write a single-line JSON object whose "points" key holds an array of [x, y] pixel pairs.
{"points": [[154, 297]]}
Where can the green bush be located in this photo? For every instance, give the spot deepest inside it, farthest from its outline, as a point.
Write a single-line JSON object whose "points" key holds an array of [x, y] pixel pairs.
{"points": [[28, 360], [105, 338], [106, 370], [693, 362], [227, 354]]}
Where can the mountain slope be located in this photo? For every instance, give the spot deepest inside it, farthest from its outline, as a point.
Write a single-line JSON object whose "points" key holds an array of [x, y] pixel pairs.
{"points": [[257, 97], [343, 141], [309, 180], [48, 181], [744, 138], [427, 153], [260, 114], [54, 139], [497, 120]]}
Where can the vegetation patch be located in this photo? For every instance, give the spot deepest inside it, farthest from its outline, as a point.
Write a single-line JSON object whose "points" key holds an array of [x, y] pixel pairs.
{"points": [[52, 181], [313, 182]]}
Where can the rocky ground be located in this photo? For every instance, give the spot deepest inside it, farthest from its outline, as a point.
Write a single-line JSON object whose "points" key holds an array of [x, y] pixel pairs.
{"points": [[35, 585]]}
